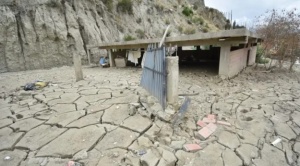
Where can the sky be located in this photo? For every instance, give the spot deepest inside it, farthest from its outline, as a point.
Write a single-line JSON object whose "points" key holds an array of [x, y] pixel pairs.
{"points": [[244, 11]]}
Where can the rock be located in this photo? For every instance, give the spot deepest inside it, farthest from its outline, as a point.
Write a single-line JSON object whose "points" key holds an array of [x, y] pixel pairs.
{"points": [[65, 118], [229, 140], [168, 159], [87, 120], [72, 141], [185, 158], [141, 143], [8, 138], [116, 114], [164, 116], [38, 137], [80, 155], [247, 153], [12, 158], [26, 124], [149, 159], [271, 156], [120, 138], [231, 159], [63, 108], [177, 145], [5, 122], [212, 151], [137, 123]]}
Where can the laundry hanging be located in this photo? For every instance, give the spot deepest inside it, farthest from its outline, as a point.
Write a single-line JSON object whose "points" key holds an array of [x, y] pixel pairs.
{"points": [[133, 56]]}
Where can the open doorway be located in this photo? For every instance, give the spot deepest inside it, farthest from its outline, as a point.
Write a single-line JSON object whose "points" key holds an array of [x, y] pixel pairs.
{"points": [[200, 59]]}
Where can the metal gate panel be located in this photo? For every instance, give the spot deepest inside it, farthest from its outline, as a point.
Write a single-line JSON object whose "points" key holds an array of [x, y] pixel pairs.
{"points": [[154, 78]]}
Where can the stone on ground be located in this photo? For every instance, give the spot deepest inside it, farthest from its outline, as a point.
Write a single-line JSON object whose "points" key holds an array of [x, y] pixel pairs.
{"points": [[12, 158], [72, 141], [167, 159], [26, 124], [177, 145], [137, 123], [149, 159], [87, 120], [119, 138], [229, 140], [8, 138], [40, 136]]}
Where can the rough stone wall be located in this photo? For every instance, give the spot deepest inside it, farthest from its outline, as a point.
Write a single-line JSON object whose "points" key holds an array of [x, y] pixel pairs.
{"points": [[38, 34]]}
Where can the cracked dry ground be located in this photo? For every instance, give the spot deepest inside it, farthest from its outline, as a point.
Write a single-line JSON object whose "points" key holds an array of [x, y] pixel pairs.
{"points": [[107, 119]]}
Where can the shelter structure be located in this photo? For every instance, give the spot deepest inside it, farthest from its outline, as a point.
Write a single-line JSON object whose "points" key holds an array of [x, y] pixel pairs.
{"points": [[232, 50]]}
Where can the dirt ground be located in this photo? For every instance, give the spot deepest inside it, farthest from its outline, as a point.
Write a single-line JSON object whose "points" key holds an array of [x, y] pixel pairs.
{"points": [[107, 119]]}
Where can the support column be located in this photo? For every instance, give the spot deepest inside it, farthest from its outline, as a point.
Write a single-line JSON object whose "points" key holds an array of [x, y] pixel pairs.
{"points": [[172, 80], [252, 58], [78, 67], [224, 61], [111, 59], [89, 57]]}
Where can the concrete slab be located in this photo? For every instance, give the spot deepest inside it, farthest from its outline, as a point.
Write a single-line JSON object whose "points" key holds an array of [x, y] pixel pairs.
{"points": [[8, 138], [65, 118], [26, 124]]}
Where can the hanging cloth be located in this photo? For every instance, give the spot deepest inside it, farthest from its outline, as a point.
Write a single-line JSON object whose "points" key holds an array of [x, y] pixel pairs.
{"points": [[133, 56]]}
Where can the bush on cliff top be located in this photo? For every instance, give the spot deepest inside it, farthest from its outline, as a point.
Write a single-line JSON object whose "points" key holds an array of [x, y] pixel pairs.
{"points": [[125, 6]]}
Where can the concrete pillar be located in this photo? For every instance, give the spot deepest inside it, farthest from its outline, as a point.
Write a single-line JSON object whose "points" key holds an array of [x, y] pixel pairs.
{"points": [[78, 67], [89, 57], [111, 59], [224, 67], [252, 57], [172, 80]]}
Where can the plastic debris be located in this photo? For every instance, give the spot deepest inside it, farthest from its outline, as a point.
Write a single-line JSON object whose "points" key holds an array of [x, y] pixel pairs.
{"points": [[278, 140], [7, 158]]}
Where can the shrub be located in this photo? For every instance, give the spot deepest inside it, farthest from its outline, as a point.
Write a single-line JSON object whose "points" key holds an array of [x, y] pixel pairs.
{"points": [[260, 56], [167, 21], [108, 4], [140, 33], [53, 3], [198, 20], [187, 11], [129, 38], [205, 30], [125, 6], [180, 29], [189, 31]]}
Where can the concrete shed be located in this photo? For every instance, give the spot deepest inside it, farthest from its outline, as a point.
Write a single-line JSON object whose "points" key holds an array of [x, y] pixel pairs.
{"points": [[233, 50]]}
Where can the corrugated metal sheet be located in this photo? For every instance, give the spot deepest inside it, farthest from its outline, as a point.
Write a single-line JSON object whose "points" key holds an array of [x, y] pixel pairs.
{"points": [[154, 77]]}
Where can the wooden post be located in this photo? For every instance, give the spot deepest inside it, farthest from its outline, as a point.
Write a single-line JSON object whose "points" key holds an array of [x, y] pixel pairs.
{"points": [[172, 80], [78, 67]]}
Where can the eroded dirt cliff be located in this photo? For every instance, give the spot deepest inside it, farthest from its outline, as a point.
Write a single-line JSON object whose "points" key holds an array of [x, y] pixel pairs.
{"points": [[38, 34]]}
